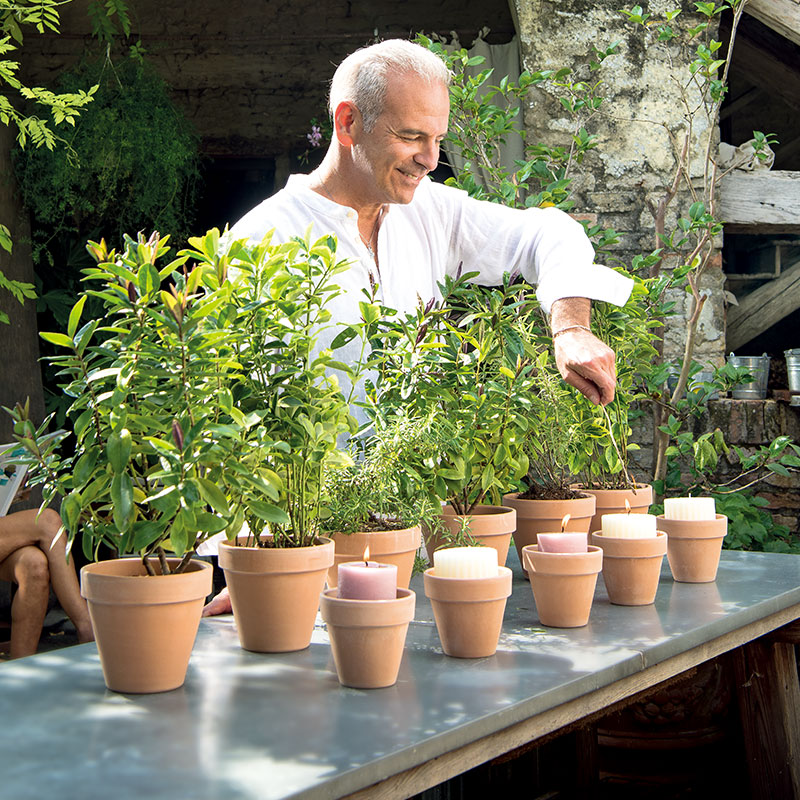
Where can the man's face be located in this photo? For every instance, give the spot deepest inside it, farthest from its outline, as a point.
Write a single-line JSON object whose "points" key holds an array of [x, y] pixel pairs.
{"points": [[403, 146]]}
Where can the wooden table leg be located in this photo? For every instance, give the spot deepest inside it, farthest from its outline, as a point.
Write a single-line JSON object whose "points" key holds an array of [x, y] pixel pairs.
{"points": [[768, 694]]}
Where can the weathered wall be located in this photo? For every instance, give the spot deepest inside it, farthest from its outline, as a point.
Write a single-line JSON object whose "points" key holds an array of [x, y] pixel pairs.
{"points": [[640, 126]]}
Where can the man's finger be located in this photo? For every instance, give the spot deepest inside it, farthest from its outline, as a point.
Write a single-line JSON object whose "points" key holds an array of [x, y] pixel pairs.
{"points": [[585, 387]]}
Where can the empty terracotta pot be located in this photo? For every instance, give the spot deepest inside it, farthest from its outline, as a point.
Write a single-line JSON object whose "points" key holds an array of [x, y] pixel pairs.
{"points": [[631, 567], [563, 584], [145, 625], [612, 501], [367, 637], [468, 611], [385, 547], [275, 593], [544, 516], [694, 547], [491, 526]]}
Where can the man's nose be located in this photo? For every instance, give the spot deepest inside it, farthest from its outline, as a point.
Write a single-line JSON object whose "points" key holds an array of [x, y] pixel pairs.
{"points": [[428, 156]]}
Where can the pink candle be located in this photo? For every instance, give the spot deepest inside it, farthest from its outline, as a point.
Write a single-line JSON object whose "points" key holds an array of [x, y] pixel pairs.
{"points": [[562, 542], [367, 580]]}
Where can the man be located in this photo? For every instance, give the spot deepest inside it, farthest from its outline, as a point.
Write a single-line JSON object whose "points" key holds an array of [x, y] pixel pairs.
{"points": [[390, 106]]}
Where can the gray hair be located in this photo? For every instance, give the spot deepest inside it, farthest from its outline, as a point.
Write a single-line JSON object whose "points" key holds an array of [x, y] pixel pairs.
{"points": [[363, 76]]}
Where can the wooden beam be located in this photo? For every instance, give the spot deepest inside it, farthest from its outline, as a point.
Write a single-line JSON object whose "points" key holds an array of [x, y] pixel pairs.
{"points": [[762, 308], [783, 16], [769, 698], [768, 201]]}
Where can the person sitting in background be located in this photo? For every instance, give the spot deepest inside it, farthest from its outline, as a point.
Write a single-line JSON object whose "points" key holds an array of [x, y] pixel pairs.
{"points": [[32, 556]]}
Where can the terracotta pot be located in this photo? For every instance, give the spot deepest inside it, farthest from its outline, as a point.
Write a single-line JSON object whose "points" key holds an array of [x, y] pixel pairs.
{"points": [[612, 501], [367, 637], [492, 526], [631, 567], [544, 516], [275, 593], [385, 547], [694, 547], [468, 611], [563, 584], [145, 625]]}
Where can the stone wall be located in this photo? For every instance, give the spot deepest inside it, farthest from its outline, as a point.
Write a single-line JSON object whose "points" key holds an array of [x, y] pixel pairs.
{"points": [[640, 129]]}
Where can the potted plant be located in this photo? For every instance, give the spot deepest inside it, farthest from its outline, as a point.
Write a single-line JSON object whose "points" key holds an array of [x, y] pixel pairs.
{"points": [[155, 433], [288, 392], [603, 462], [559, 424], [465, 364], [377, 503]]}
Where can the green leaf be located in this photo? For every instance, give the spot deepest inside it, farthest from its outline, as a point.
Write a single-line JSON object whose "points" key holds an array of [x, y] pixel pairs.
{"points": [[122, 500], [214, 496], [269, 512], [118, 450], [74, 318], [60, 339]]}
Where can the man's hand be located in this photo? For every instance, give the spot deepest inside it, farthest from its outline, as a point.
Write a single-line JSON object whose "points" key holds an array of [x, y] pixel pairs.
{"points": [[221, 604], [587, 364]]}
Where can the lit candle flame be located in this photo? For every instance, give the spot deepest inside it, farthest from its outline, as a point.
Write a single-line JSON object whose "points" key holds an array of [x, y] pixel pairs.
{"points": [[564, 522], [627, 507], [366, 554]]}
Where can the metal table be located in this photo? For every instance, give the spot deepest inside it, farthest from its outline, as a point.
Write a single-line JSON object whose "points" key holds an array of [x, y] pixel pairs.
{"points": [[247, 725]]}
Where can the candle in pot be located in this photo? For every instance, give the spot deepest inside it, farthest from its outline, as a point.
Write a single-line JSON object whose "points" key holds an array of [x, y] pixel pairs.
{"points": [[465, 562], [562, 542], [628, 526], [367, 580], [690, 508]]}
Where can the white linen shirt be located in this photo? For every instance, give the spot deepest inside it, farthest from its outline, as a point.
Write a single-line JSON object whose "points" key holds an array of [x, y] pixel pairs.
{"points": [[441, 228]]}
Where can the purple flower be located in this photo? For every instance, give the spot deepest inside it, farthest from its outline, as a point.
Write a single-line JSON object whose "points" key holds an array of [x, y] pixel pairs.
{"points": [[315, 137]]}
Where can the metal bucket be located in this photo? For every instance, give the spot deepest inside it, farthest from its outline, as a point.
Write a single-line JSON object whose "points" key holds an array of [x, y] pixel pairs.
{"points": [[758, 367], [793, 368], [793, 373]]}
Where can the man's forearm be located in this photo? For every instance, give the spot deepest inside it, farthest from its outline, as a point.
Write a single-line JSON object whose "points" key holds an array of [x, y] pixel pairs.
{"points": [[569, 311]]}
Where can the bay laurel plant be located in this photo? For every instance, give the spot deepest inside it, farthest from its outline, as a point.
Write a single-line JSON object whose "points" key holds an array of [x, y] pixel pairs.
{"points": [[287, 384], [199, 399]]}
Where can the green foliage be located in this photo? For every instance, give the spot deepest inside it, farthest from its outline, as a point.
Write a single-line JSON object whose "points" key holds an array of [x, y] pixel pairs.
{"points": [[483, 116], [63, 108], [380, 490], [197, 400], [467, 364], [130, 162], [286, 385]]}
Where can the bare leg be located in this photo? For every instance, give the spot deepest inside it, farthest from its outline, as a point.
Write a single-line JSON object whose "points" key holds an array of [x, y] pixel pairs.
{"points": [[25, 529], [27, 567]]}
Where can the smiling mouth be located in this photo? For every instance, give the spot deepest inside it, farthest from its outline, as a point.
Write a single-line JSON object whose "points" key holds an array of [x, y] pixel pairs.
{"points": [[411, 175]]}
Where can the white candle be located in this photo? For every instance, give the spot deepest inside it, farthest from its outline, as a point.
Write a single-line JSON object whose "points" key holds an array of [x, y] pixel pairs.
{"points": [[629, 526], [562, 542], [690, 508], [465, 562]]}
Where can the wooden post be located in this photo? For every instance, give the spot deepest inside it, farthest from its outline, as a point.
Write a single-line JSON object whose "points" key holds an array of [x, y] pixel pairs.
{"points": [[768, 694]]}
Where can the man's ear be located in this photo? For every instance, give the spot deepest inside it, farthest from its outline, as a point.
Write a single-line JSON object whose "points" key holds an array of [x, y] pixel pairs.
{"points": [[346, 122]]}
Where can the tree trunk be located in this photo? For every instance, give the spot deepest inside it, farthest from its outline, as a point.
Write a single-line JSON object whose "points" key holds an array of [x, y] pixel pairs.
{"points": [[20, 375]]}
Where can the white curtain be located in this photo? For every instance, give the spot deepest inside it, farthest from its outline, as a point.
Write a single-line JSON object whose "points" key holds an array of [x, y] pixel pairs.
{"points": [[504, 59]]}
